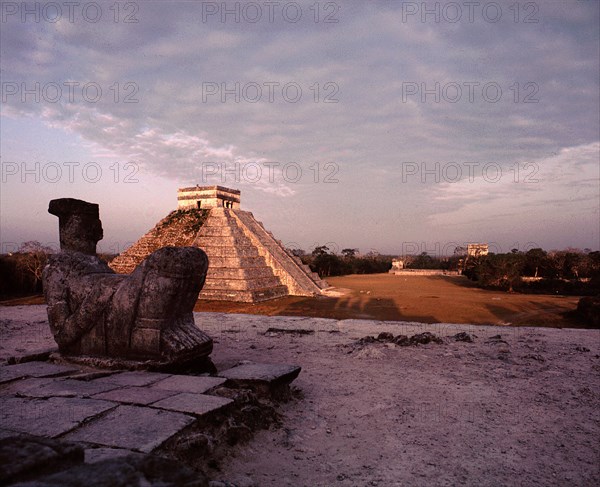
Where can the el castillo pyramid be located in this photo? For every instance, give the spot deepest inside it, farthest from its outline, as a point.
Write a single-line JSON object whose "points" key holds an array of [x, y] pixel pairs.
{"points": [[246, 263]]}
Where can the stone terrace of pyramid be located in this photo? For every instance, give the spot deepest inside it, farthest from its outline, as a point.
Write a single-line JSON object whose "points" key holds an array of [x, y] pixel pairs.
{"points": [[246, 263]]}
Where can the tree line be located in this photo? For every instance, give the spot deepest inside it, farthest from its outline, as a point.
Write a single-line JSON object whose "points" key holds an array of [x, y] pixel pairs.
{"points": [[326, 263], [569, 271], [21, 271]]}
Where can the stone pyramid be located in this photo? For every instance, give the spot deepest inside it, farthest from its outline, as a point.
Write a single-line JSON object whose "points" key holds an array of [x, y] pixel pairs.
{"points": [[246, 263]]}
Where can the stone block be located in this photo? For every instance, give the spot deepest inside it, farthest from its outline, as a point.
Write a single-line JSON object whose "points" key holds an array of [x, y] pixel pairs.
{"points": [[188, 383], [197, 404], [23, 457], [48, 417], [229, 273], [64, 388], [32, 355], [135, 395], [133, 378], [132, 427], [34, 369], [128, 471], [20, 387], [244, 296], [267, 374], [242, 284]]}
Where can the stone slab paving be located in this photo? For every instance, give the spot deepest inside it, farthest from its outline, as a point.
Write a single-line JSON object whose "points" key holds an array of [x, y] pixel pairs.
{"points": [[132, 427], [62, 388], [113, 413], [133, 378], [198, 404], [20, 387], [135, 395], [270, 374], [189, 383], [33, 369], [48, 417]]}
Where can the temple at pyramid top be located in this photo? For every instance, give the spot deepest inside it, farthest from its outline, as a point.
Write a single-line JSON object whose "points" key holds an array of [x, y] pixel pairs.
{"points": [[207, 197]]}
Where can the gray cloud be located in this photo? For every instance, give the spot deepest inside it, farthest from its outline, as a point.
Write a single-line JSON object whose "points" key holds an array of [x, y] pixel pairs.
{"points": [[368, 56]]}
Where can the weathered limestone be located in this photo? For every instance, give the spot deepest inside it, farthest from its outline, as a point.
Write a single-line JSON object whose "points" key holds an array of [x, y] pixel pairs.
{"points": [[229, 251], [192, 403], [22, 458], [246, 262], [270, 379], [144, 316], [42, 462], [208, 197], [33, 369], [477, 249], [132, 427], [178, 229], [137, 411], [298, 277], [271, 374], [188, 383], [52, 416], [79, 224]]}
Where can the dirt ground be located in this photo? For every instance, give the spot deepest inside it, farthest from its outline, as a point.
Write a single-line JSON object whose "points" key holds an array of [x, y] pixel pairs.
{"points": [[426, 299], [519, 409]]}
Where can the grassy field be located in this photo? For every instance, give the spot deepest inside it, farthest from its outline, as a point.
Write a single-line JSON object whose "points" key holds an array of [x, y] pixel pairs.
{"points": [[427, 299]]}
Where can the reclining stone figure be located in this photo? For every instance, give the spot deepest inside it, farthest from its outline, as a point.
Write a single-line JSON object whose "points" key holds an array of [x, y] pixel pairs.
{"points": [[147, 315]]}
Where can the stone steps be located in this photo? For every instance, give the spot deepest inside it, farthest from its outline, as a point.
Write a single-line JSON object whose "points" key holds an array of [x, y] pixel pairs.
{"points": [[222, 231], [297, 277], [224, 241], [237, 271], [218, 251], [314, 276], [235, 262], [249, 284], [231, 273], [245, 296]]}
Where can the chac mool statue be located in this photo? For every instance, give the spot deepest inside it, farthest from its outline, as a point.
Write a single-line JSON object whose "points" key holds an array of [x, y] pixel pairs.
{"points": [[144, 316]]}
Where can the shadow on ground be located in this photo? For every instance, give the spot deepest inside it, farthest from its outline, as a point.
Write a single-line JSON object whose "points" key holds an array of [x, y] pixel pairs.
{"points": [[425, 299]]}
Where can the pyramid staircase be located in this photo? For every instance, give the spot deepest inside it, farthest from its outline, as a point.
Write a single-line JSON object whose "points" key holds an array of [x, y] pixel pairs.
{"points": [[298, 277], [246, 263], [236, 271]]}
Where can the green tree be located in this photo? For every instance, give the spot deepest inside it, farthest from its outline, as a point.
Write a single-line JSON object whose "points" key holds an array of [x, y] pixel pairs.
{"points": [[536, 262], [321, 250], [502, 271], [349, 253]]}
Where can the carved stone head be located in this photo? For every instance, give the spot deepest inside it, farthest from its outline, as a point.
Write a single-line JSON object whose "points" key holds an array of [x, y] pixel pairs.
{"points": [[79, 224]]}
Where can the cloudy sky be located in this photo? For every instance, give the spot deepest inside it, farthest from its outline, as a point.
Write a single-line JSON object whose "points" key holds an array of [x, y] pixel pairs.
{"points": [[392, 126]]}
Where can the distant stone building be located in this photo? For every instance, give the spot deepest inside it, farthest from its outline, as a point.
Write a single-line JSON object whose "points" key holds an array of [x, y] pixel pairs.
{"points": [[477, 249], [397, 264], [246, 262]]}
